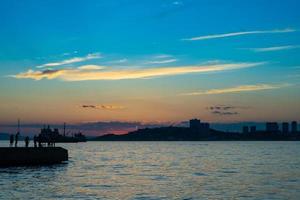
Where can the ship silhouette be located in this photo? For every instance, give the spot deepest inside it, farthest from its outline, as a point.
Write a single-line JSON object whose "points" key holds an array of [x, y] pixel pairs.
{"points": [[56, 137]]}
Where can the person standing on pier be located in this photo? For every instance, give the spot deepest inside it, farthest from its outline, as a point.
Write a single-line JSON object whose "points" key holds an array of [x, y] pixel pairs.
{"points": [[11, 140], [16, 139], [17, 135], [40, 140], [35, 141], [26, 141]]}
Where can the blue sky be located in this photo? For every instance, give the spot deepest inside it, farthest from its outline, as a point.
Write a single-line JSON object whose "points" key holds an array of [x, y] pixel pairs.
{"points": [[160, 60]]}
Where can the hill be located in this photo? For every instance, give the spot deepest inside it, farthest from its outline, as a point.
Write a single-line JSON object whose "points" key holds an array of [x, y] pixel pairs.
{"points": [[188, 134]]}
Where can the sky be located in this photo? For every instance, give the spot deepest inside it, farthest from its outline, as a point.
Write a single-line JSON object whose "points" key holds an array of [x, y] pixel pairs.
{"points": [[149, 61]]}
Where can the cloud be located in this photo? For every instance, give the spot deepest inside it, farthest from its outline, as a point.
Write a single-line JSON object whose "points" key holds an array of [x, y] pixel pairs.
{"points": [[163, 56], [221, 107], [162, 61], [69, 53], [225, 109], [72, 60], [217, 112], [90, 67], [238, 89], [224, 35], [275, 48], [38, 75], [89, 106], [102, 107], [88, 73]]}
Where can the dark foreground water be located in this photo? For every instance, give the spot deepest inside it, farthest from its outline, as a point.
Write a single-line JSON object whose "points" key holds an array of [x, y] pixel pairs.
{"points": [[162, 170]]}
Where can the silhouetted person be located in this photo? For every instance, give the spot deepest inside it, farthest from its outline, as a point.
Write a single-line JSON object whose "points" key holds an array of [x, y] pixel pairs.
{"points": [[40, 140], [26, 141], [16, 139], [35, 141], [52, 141], [11, 140]]}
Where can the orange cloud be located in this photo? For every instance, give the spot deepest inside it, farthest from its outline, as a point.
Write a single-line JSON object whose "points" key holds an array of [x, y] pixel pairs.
{"points": [[95, 72]]}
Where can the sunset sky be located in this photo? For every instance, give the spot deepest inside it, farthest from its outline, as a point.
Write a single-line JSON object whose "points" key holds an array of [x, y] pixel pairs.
{"points": [[149, 61]]}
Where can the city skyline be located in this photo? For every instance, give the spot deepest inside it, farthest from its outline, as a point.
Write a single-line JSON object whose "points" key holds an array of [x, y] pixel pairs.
{"points": [[149, 62]]}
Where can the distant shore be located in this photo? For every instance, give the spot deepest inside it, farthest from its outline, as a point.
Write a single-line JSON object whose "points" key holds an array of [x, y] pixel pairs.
{"points": [[188, 134]]}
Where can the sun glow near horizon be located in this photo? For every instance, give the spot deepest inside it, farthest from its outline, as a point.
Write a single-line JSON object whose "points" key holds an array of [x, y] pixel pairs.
{"points": [[151, 66]]}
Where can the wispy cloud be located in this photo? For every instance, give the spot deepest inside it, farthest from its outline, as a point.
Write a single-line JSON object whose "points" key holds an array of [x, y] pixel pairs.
{"points": [[238, 89], [217, 112], [163, 56], [90, 67], [94, 72], [72, 60], [275, 48], [162, 61], [69, 53], [102, 107], [224, 35], [225, 109]]}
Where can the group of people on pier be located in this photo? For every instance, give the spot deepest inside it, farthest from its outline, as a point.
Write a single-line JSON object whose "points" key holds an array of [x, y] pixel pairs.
{"points": [[38, 141]]}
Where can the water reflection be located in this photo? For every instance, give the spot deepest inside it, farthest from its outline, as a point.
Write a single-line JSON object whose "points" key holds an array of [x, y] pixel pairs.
{"points": [[174, 170]]}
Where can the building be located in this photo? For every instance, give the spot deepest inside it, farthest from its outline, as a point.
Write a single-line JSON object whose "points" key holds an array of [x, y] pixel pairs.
{"points": [[253, 129], [285, 127], [245, 129], [272, 127], [294, 127], [197, 126]]}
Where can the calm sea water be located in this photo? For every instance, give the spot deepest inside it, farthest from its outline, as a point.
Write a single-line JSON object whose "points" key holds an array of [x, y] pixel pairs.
{"points": [[162, 170]]}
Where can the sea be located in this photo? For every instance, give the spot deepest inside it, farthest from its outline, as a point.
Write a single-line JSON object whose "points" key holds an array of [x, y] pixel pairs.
{"points": [[162, 170]]}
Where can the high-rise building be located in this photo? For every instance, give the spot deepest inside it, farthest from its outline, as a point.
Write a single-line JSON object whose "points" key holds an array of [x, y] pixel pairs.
{"points": [[294, 126], [285, 127], [245, 129], [272, 127], [253, 129]]}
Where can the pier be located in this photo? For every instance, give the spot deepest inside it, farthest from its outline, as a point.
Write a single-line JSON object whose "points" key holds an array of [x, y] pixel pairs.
{"points": [[22, 156]]}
